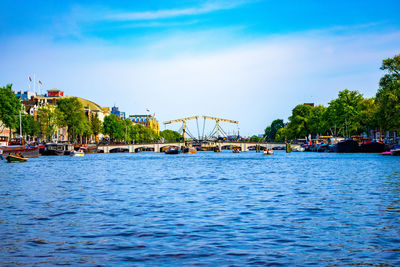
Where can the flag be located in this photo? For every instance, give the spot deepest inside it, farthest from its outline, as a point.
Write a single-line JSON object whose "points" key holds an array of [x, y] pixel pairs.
{"points": [[30, 78], [40, 82]]}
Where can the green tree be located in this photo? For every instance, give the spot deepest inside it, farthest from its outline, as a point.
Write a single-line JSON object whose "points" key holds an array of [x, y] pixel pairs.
{"points": [[316, 121], [270, 131], [388, 95], [368, 114], [170, 135], [128, 125], [255, 138], [281, 135], [96, 125], [10, 107], [343, 113], [299, 122], [29, 125], [114, 127], [49, 119], [74, 117]]}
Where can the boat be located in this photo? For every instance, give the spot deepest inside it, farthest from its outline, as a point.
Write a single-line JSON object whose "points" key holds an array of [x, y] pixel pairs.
{"points": [[79, 153], [27, 151], [190, 150], [268, 151], [386, 153], [88, 148], [372, 147], [53, 150], [298, 148], [172, 150], [236, 150], [16, 159], [347, 146], [395, 151]]}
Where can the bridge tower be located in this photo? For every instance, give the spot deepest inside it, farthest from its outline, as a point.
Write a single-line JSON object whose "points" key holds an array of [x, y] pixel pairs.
{"points": [[183, 124]]}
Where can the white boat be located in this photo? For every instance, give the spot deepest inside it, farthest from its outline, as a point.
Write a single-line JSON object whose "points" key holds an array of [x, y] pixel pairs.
{"points": [[78, 153], [268, 151], [298, 149]]}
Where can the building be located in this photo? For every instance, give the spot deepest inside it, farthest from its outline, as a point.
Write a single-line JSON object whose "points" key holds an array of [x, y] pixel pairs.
{"points": [[23, 95], [115, 111], [55, 93], [309, 104], [147, 121], [34, 103]]}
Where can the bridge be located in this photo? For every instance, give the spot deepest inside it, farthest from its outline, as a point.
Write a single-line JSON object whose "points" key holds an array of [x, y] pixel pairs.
{"points": [[132, 148], [157, 147]]}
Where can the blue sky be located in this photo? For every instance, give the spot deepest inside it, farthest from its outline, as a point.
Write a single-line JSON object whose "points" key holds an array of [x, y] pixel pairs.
{"points": [[251, 61]]}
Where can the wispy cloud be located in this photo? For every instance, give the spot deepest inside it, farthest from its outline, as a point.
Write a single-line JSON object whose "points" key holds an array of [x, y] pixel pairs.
{"points": [[172, 13]]}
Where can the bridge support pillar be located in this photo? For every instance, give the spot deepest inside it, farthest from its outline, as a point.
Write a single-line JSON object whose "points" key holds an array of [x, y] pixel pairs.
{"points": [[131, 149], [243, 147]]}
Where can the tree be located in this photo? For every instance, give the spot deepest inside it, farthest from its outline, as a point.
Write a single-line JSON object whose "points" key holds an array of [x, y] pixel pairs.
{"points": [[281, 135], [388, 95], [317, 123], [49, 119], [343, 113], [270, 131], [368, 114], [170, 135], [29, 125], [113, 126], [299, 122], [10, 107], [74, 117], [96, 125]]}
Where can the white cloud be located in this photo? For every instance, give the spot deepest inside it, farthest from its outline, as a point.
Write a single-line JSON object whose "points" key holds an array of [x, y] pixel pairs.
{"points": [[171, 13]]}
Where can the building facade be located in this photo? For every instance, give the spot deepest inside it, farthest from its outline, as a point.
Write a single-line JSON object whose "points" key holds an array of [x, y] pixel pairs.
{"points": [[120, 114], [147, 121]]}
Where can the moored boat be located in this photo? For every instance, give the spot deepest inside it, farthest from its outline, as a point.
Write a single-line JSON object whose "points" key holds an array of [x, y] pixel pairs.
{"points": [[236, 150], [16, 159], [395, 151], [53, 150], [27, 151], [372, 147], [172, 150], [347, 146]]}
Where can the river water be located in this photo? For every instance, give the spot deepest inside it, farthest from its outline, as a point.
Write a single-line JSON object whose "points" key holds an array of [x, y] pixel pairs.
{"points": [[202, 209]]}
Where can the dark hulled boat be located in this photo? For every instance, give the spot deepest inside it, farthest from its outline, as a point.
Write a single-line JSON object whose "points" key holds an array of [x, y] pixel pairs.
{"points": [[373, 147], [172, 150], [347, 146], [53, 150]]}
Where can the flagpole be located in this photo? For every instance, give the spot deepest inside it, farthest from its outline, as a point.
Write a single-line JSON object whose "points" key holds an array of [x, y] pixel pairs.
{"points": [[20, 127]]}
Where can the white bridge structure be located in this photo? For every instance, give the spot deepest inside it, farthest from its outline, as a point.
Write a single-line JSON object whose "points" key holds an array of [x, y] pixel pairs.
{"points": [[157, 147]]}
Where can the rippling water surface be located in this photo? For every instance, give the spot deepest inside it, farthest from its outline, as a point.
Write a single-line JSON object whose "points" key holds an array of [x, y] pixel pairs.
{"points": [[208, 209]]}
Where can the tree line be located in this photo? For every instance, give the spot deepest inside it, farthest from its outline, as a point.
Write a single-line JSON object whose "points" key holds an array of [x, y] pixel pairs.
{"points": [[69, 113], [349, 114]]}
